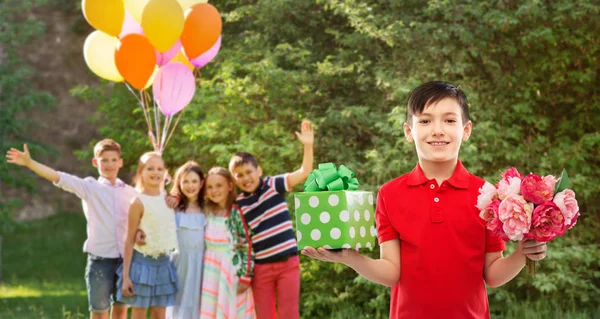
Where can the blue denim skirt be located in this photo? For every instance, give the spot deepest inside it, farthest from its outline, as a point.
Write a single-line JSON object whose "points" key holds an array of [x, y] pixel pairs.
{"points": [[154, 281]]}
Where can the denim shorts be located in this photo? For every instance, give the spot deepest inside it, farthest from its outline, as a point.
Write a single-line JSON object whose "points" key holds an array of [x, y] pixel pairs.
{"points": [[101, 281]]}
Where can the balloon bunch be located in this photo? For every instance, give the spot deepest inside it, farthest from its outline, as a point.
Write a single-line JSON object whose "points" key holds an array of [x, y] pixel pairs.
{"points": [[156, 43]]}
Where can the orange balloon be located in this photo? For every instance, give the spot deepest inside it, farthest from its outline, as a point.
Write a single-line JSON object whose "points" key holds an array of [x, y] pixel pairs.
{"points": [[201, 30], [135, 59]]}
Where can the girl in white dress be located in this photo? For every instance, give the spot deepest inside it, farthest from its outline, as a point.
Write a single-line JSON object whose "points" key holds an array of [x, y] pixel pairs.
{"points": [[147, 278]]}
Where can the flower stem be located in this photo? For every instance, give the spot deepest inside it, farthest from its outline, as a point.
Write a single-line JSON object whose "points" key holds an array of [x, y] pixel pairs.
{"points": [[530, 267]]}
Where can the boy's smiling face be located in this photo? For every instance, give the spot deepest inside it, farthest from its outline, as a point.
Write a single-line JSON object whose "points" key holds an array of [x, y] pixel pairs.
{"points": [[439, 131], [246, 177], [108, 164]]}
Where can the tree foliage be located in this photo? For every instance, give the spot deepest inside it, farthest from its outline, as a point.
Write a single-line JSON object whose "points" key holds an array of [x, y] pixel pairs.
{"points": [[16, 94], [16, 97], [530, 70]]}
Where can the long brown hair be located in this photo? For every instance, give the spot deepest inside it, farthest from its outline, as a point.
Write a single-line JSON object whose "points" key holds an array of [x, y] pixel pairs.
{"points": [[211, 206], [137, 179], [186, 168]]}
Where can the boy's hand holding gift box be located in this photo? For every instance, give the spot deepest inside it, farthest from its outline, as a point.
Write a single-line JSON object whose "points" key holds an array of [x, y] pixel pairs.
{"points": [[332, 213]]}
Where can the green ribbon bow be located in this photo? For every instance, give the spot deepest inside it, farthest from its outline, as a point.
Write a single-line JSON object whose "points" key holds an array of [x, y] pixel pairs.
{"points": [[329, 178]]}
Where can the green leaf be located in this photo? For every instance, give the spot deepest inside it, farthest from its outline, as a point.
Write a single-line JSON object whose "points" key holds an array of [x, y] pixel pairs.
{"points": [[563, 183]]}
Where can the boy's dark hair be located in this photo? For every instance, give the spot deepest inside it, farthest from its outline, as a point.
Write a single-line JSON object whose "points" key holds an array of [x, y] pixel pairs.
{"points": [[433, 92], [242, 158]]}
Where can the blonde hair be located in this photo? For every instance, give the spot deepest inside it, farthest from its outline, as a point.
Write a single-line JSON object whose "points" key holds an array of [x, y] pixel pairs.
{"points": [[211, 206], [137, 179], [106, 145]]}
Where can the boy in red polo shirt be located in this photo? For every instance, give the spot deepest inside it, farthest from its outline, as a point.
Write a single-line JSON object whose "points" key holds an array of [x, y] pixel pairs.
{"points": [[436, 253]]}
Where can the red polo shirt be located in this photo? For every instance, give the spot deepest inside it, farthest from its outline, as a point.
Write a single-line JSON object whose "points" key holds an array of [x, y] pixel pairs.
{"points": [[443, 243]]}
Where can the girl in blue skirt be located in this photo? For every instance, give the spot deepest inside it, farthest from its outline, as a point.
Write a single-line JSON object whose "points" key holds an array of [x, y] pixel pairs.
{"points": [[147, 277]]}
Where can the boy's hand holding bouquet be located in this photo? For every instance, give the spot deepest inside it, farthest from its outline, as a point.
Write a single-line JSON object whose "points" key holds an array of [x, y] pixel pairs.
{"points": [[528, 207]]}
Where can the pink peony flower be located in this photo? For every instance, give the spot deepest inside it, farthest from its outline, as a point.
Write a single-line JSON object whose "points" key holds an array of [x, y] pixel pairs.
{"points": [[487, 193], [567, 204], [550, 181], [547, 222], [537, 190], [511, 172], [509, 187], [508, 184], [492, 222], [515, 212], [490, 212]]}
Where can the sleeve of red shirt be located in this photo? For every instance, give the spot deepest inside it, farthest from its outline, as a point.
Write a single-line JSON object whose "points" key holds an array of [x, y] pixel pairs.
{"points": [[385, 230], [493, 243]]}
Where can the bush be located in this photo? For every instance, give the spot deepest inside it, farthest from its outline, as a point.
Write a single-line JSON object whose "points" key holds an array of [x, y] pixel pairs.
{"points": [[530, 70]]}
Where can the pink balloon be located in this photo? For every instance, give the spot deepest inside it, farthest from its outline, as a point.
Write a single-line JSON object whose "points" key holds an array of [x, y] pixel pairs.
{"points": [[166, 57], [173, 88], [207, 56], [130, 26]]}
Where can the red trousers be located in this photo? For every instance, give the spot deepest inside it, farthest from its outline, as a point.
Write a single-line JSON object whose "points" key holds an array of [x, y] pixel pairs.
{"points": [[278, 284]]}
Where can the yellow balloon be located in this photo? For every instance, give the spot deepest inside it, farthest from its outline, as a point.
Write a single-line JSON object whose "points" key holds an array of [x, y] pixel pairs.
{"points": [[135, 8], [151, 79], [162, 21], [180, 57], [186, 4], [104, 15], [99, 54]]}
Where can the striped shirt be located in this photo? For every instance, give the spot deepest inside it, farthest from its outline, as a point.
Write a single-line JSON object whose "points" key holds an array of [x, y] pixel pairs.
{"points": [[267, 214]]}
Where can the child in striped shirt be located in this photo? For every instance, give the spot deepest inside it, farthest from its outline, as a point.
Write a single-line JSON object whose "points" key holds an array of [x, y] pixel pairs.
{"points": [[262, 202]]}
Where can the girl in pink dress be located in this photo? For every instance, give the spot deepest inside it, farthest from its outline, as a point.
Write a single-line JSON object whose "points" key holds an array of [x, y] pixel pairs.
{"points": [[228, 260]]}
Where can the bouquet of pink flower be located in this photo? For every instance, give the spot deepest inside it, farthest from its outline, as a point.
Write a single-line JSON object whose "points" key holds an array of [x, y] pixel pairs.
{"points": [[528, 207]]}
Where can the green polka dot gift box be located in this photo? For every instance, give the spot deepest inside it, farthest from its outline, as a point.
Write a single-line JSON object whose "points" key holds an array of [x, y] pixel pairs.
{"points": [[332, 213]]}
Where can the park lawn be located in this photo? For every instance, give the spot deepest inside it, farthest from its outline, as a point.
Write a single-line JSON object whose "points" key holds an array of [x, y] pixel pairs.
{"points": [[43, 269], [44, 266]]}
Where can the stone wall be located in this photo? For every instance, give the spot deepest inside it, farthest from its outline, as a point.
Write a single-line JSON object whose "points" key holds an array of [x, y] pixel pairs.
{"points": [[58, 60]]}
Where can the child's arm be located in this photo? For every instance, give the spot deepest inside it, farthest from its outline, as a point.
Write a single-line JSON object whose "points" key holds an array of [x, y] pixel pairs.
{"points": [[136, 211], [172, 200], [499, 270], [306, 137], [247, 254], [24, 159], [385, 270]]}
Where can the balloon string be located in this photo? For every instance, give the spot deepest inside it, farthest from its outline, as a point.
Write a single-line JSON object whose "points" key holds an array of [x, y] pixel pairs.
{"points": [[156, 122], [173, 129], [199, 75], [153, 139], [165, 129], [141, 101], [150, 134]]}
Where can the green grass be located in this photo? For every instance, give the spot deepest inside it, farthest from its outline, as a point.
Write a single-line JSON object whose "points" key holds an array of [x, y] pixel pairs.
{"points": [[43, 270], [545, 310]]}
